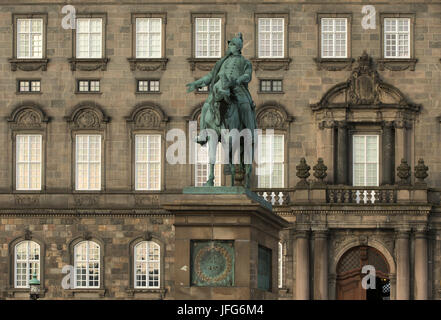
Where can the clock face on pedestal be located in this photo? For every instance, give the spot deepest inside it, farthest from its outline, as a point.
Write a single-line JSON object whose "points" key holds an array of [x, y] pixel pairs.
{"points": [[212, 263]]}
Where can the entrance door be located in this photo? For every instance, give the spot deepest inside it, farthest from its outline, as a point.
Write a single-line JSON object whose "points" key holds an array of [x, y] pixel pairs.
{"points": [[349, 276]]}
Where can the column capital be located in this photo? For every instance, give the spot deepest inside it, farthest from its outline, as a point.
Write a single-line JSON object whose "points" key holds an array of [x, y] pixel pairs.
{"points": [[320, 233], [421, 232], [402, 233], [342, 124], [388, 124], [402, 124], [301, 234], [326, 124]]}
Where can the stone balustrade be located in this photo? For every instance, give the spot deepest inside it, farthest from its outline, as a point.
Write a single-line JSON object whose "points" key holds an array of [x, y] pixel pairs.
{"points": [[361, 195], [275, 196]]}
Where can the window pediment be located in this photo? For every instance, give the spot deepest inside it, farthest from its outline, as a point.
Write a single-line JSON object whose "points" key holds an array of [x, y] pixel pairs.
{"points": [[365, 89], [147, 116], [271, 115], [87, 115], [28, 116]]}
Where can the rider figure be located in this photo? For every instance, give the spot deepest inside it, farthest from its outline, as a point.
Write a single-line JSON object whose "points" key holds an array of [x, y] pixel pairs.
{"points": [[236, 71]]}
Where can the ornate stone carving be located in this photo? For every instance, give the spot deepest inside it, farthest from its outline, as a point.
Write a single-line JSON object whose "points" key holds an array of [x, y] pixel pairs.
{"points": [[87, 119], [397, 64], [27, 200], [28, 64], [87, 115], [403, 172], [364, 88], [363, 84], [421, 173], [320, 172], [29, 116], [334, 64], [147, 236], [147, 119], [147, 64], [201, 64], [87, 235], [85, 201], [303, 173], [28, 234], [273, 116], [147, 200], [88, 64], [271, 64]]}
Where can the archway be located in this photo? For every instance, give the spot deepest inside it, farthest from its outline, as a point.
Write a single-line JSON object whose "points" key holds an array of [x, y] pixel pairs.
{"points": [[349, 275]]}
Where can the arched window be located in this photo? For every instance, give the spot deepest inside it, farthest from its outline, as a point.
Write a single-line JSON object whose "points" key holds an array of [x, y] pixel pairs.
{"points": [[87, 264], [27, 262], [147, 265]]}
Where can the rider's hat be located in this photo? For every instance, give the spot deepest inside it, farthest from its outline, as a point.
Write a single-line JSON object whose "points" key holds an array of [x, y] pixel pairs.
{"points": [[238, 41]]}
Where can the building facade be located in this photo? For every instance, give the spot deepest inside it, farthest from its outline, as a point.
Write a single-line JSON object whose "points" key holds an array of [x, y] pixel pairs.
{"points": [[88, 104]]}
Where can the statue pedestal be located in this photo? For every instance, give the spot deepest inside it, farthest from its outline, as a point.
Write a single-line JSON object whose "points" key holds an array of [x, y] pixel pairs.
{"points": [[226, 244]]}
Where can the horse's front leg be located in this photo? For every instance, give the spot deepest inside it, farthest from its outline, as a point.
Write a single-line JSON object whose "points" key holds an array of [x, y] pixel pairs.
{"points": [[248, 169], [233, 173], [210, 181]]}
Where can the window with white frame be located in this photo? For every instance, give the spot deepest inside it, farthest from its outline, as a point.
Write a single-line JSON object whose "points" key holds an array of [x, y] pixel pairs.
{"points": [[29, 86], [202, 167], [147, 162], [27, 263], [88, 162], [280, 264], [365, 160], [271, 37], [334, 35], [29, 38], [89, 34], [208, 37], [87, 264], [270, 171], [148, 37], [28, 162], [147, 265], [396, 37]]}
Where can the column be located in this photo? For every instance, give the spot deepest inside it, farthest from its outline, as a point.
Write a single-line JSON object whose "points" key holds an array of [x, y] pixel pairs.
{"points": [[342, 155], [388, 153], [302, 265], [421, 265], [325, 147], [320, 265], [400, 142], [402, 250]]}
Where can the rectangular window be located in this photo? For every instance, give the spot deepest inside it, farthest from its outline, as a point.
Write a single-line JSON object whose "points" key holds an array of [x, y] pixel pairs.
{"points": [[148, 85], [271, 37], [28, 162], [202, 167], [29, 38], [270, 173], [396, 37], [334, 37], [88, 162], [271, 85], [148, 37], [208, 37], [147, 162], [29, 86], [89, 38], [88, 86], [365, 160]]}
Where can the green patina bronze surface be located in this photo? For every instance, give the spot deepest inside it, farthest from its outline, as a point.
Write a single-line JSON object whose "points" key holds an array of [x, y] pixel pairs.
{"points": [[228, 190], [229, 105], [212, 263], [264, 269]]}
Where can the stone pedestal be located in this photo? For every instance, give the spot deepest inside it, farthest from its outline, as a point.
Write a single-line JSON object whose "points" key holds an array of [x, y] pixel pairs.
{"points": [[221, 234]]}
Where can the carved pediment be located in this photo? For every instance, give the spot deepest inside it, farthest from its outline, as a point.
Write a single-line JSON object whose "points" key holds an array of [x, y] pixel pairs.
{"points": [[87, 115], [273, 116], [147, 116], [364, 88], [28, 116]]}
